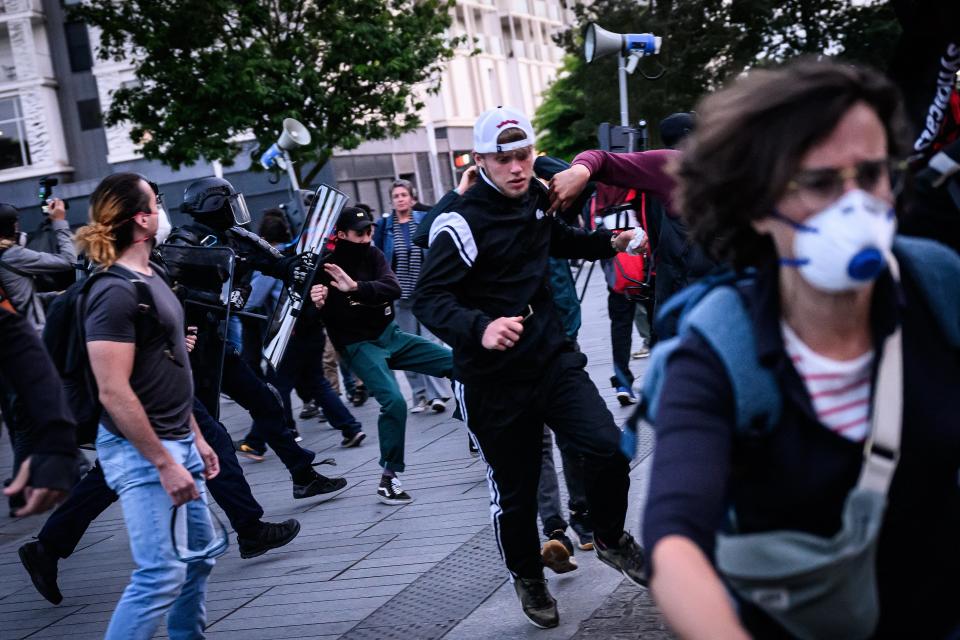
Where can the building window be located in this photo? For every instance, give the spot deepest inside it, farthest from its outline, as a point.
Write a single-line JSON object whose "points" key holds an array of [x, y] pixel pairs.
{"points": [[90, 115], [14, 151], [78, 46]]}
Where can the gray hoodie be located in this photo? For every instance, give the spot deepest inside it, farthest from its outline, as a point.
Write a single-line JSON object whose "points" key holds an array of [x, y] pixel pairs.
{"points": [[21, 288]]}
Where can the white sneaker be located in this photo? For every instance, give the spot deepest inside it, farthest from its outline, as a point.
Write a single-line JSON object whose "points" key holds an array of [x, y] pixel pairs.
{"points": [[420, 406], [643, 352]]}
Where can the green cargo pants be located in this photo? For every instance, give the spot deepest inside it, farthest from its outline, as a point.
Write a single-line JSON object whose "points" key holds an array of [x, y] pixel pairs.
{"points": [[373, 361]]}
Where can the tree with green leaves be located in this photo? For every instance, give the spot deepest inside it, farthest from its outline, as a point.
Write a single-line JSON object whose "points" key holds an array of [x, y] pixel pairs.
{"points": [[704, 43], [211, 72]]}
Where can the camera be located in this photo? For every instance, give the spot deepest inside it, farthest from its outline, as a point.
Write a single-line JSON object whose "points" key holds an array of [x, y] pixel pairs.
{"points": [[45, 194]]}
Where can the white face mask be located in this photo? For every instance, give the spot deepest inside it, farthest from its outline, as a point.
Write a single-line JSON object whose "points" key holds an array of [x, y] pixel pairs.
{"points": [[845, 246], [163, 225]]}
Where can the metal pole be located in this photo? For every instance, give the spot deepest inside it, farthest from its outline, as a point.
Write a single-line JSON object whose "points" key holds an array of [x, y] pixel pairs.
{"points": [[624, 109], [294, 183]]}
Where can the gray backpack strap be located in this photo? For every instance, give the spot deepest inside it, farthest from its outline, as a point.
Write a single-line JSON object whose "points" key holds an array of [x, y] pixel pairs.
{"points": [[722, 320], [936, 271]]}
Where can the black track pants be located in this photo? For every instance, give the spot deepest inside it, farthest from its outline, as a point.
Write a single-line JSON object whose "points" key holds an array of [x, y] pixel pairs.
{"points": [[507, 421]]}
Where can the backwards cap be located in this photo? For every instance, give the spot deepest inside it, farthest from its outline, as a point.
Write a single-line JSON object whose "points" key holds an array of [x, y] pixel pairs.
{"points": [[491, 123]]}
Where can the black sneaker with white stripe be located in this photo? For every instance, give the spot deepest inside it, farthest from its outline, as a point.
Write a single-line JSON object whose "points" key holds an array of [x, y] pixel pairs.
{"points": [[390, 491]]}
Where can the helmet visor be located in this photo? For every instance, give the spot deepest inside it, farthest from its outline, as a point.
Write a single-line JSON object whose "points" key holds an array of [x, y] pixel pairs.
{"points": [[238, 206]]}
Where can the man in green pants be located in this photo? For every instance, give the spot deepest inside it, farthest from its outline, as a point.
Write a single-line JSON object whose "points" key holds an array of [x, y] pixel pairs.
{"points": [[355, 293]]}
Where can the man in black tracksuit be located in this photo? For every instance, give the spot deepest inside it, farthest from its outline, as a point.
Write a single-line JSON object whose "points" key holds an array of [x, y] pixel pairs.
{"points": [[484, 290]]}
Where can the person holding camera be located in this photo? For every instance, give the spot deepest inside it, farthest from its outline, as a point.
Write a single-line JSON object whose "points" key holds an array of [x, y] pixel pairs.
{"points": [[19, 266]]}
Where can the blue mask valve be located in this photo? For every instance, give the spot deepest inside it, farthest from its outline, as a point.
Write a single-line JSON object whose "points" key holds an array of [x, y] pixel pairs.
{"points": [[866, 265]]}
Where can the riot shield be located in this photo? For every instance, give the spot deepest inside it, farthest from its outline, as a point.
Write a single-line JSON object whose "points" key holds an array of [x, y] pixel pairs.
{"points": [[313, 237], [205, 275]]}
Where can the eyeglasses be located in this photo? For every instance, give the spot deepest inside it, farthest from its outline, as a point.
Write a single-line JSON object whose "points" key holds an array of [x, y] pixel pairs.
{"points": [[826, 184]]}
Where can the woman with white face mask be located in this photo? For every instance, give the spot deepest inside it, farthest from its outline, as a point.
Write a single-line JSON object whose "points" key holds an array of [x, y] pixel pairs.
{"points": [[788, 180]]}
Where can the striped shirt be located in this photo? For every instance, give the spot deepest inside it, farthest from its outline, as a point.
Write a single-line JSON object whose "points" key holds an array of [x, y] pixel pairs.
{"points": [[406, 256], [838, 389]]}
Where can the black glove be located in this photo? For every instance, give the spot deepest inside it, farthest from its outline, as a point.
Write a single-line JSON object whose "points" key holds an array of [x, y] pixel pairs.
{"points": [[301, 268]]}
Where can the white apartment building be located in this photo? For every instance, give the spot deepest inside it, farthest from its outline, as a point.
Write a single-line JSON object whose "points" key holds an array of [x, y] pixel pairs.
{"points": [[53, 93]]}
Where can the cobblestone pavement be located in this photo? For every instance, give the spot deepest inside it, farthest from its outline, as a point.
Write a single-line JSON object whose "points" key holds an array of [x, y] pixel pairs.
{"points": [[358, 569]]}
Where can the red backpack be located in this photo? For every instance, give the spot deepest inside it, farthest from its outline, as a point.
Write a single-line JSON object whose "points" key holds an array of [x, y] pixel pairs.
{"points": [[629, 271]]}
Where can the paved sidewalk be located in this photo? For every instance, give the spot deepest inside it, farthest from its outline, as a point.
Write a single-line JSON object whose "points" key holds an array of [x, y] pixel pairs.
{"points": [[358, 569]]}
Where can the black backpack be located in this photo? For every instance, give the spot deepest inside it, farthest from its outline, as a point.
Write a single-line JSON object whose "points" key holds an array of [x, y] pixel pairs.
{"points": [[64, 338]]}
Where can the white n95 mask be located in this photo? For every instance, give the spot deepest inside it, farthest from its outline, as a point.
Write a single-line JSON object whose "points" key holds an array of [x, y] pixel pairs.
{"points": [[163, 225], [845, 246]]}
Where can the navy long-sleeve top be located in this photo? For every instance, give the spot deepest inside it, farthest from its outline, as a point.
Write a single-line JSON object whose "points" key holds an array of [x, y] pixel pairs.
{"points": [[798, 476]]}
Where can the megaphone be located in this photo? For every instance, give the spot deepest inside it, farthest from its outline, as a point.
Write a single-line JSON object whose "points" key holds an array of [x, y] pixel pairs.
{"points": [[294, 135], [599, 42]]}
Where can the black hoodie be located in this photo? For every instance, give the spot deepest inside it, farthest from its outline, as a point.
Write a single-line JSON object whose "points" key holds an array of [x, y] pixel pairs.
{"points": [[363, 314]]}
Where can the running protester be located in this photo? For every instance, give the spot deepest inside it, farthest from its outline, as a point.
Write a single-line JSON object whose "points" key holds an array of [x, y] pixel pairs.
{"points": [[393, 234], [357, 309], [484, 289]]}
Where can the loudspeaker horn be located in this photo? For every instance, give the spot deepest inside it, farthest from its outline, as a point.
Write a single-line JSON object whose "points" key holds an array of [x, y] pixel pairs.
{"points": [[599, 42], [294, 135]]}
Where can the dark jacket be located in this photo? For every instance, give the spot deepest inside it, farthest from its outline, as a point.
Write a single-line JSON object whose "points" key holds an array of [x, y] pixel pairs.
{"points": [[24, 363], [488, 259], [798, 476], [362, 314], [383, 232]]}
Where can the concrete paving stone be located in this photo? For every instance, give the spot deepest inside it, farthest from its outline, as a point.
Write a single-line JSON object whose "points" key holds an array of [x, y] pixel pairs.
{"points": [[333, 611], [375, 572], [331, 622]]}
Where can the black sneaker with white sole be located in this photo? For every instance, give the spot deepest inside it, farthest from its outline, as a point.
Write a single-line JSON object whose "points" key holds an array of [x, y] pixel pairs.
{"points": [[270, 536], [537, 603], [438, 406], [627, 558], [307, 483], [390, 491]]}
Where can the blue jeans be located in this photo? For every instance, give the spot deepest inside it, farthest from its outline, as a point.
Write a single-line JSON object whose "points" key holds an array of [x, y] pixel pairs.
{"points": [[161, 584]]}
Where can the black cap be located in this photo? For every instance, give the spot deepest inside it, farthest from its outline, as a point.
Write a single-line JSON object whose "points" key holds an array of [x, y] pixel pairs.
{"points": [[8, 211], [675, 128], [353, 219]]}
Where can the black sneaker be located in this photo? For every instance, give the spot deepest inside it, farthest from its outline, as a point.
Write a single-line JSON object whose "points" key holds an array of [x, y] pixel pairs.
{"points": [[270, 536], [309, 410], [437, 405], [557, 553], [315, 484], [248, 451], [390, 492], [296, 434], [352, 440], [42, 568], [359, 395], [627, 558], [583, 527], [537, 603]]}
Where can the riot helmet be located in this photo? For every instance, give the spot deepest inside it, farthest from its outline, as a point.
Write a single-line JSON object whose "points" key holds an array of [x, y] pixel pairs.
{"points": [[215, 203]]}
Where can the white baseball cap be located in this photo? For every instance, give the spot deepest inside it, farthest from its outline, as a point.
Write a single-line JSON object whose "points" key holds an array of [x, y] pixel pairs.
{"points": [[492, 122]]}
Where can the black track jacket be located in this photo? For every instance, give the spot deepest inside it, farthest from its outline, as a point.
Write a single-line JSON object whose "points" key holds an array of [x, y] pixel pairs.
{"points": [[488, 259]]}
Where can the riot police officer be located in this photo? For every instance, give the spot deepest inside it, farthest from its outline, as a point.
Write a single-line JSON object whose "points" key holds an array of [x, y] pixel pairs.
{"points": [[220, 216]]}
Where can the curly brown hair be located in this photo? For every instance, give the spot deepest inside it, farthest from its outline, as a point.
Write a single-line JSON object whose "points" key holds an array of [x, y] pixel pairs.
{"points": [[751, 137]]}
